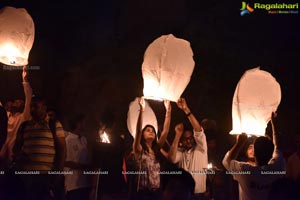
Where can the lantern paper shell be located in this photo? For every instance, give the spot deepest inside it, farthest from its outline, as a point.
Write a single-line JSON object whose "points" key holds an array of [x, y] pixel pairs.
{"points": [[256, 96], [133, 114], [167, 68], [16, 36]]}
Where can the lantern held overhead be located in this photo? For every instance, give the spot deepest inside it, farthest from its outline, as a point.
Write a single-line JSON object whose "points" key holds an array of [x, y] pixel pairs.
{"points": [[167, 68], [16, 36], [256, 96], [133, 114]]}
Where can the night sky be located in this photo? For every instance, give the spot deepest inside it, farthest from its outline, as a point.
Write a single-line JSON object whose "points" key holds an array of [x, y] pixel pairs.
{"points": [[90, 55]]}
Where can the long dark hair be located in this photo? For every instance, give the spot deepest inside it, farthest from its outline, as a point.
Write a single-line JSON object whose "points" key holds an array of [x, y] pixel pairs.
{"points": [[243, 153], [155, 146], [143, 141]]}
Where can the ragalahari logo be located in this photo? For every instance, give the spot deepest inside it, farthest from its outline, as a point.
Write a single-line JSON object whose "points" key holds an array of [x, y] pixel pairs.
{"points": [[246, 9]]}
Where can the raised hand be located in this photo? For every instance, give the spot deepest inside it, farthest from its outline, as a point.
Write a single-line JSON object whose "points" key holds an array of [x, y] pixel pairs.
{"points": [[181, 103], [142, 103], [167, 105], [179, 130]]}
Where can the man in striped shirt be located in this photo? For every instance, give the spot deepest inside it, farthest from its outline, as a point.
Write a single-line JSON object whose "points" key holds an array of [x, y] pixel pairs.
{"points": [[40, 148]]}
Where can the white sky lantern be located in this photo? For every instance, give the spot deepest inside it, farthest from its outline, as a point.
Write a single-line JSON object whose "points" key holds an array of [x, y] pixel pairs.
{"points": [[167, 68], [256, 96], [16, 36], [133, 114]]}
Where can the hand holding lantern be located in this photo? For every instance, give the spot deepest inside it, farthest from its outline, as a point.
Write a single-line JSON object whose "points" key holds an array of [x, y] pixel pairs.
{"points": [[135, 107], [25, 74], [168, 107], [181, 103], [142, 104]]}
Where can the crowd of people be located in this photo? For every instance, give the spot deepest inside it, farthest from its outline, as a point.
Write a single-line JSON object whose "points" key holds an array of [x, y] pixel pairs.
{"points": [[40, 159]]}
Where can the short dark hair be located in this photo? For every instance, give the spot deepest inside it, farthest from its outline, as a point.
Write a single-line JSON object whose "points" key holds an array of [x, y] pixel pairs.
{"points": [[263, 150]]}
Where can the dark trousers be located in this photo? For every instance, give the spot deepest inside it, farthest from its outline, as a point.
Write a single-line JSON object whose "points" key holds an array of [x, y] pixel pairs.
{"points": [[11, 187], [37, 186], [147, 195], [58, 186], [199, 196], [78, 194]]}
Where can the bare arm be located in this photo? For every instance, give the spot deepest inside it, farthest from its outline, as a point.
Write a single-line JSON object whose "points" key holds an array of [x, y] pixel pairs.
{"points": [[184, 107], [199, 135], [137, 148], [274, 134], [61, 154], [28, 94], [174, 146], [19, 141], [235, 150], [164, 153], [166, 128]]}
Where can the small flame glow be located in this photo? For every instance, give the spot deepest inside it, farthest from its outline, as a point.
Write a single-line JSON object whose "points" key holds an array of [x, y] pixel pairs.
{"points": [[209, 166], [104, 138]]}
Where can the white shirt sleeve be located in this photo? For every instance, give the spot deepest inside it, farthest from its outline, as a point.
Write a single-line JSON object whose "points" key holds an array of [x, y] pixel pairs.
{"points": [[200, 139]]}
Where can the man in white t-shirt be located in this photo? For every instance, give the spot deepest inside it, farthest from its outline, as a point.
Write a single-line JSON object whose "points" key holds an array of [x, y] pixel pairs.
{"points": [[77, 184], [193, 155], [256, 181]]}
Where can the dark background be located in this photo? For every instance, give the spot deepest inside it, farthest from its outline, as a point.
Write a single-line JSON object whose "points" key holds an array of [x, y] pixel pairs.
{"points": [[90, 55]]}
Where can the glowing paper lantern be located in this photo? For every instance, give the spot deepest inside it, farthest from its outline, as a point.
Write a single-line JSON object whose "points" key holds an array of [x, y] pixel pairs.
{"points": [[16, 36], [133, 114], [167, 68], [256, 96]]}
